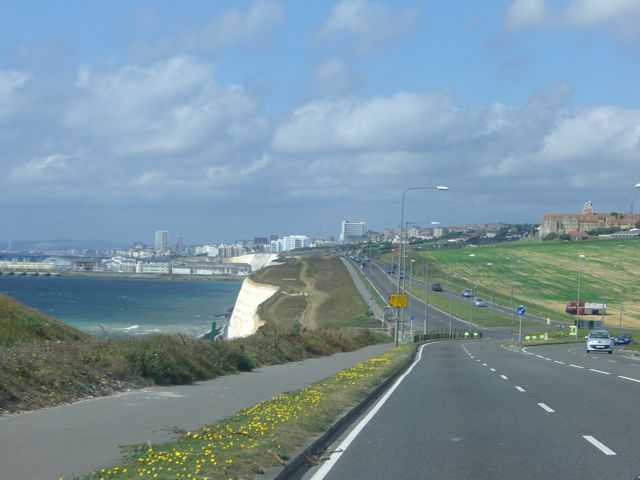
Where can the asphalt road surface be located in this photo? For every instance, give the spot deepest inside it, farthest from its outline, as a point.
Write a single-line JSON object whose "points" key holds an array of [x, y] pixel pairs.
{"points": [[486, 410]]}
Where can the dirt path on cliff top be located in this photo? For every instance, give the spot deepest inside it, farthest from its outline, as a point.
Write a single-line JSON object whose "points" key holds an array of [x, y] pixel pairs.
{"points": [[315, 298]]}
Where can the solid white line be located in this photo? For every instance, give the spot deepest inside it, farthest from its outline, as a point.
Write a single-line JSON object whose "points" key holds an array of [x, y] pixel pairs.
{"points": [[599, 371], [558, 361], [539, 356], [629, 378], [575, 366], [492, 369], [335, 456], [546, 407], [599, 445], [520, 389], [504, 377], [478, 360]]}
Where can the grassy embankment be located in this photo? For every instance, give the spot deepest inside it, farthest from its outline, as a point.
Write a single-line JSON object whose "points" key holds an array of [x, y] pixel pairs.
{"points": [[545, 276], [47, 363]]}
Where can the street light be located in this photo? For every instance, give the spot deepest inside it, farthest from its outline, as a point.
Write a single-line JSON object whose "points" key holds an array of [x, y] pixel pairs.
{"points": [[580, 258], [410, 287], [493, 289], [400, 256], [426, 286], [473, 292]]}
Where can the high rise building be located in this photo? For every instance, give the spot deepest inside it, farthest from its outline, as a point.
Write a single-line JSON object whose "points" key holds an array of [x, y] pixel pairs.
{"points": [[352, 231], [162, 240], [179, 243]]}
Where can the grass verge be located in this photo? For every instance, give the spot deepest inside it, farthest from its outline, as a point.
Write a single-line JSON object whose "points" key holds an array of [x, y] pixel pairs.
{"points": [[259, 437]]}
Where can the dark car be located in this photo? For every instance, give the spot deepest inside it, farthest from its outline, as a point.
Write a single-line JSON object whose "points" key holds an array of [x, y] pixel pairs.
{"points": [[436, 287], [623, 339]]}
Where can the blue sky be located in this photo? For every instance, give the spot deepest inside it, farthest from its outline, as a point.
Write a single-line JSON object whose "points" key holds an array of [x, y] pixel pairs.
{"points": [[229, 120]]}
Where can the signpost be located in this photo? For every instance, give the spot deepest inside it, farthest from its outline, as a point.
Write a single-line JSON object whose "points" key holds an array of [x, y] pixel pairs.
{"points": [[573, 330], [398, 300], [520, 311]]}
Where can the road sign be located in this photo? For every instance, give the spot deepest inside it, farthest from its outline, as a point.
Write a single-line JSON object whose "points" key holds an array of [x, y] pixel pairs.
{"points": [[399, 301], [521, 310], [573, 330]]}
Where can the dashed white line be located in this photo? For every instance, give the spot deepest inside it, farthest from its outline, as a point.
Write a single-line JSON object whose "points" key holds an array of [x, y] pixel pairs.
{"points": [[575, 366], [629, 378], [492, 369], [539, 356], [546, 407], [599, 371], [504, 377], [558, 361], [599, 445], [478, 360], [484, 364], [520, 389], [472, 356]]}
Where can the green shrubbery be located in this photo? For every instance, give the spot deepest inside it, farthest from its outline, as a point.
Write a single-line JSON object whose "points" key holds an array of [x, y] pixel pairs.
{"points": [[48, 373]]}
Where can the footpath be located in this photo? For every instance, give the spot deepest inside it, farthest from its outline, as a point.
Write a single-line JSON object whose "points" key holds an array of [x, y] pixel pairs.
{"points": [[362, 289], [84, 436]]}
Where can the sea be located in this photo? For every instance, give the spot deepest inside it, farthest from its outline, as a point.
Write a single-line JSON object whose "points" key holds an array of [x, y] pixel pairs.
{"points": [[127, 306]]}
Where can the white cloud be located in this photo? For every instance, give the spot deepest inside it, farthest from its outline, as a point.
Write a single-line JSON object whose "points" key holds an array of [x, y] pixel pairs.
{"points": [[621, 15], [11, 82], [404, 120], [369, 23], [171, 107], [233, 26], [57, 167], [333, 77]]}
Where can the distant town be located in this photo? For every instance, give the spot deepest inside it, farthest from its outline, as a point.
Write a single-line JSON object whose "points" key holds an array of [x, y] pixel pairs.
{"points": [[178, 258]]}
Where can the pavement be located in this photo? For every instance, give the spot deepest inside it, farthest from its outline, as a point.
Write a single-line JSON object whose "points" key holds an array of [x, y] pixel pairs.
{"points": [[362, 289], [81, 437]]}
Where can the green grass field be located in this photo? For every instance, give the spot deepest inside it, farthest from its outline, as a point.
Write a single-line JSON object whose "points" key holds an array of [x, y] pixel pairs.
{"points": [[544, 276]]}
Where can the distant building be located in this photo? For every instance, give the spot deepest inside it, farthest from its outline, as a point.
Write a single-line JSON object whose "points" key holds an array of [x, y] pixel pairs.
{"points": [[564, 223], [290, 242], [352, 231], [162, 240], [179, 243]]}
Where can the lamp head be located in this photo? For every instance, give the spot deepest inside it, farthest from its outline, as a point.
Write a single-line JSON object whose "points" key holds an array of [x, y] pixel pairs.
{"points": [[443, 187]]}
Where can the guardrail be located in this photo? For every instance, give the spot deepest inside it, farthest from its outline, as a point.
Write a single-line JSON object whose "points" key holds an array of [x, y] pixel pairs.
{"points": [[446, 335]]}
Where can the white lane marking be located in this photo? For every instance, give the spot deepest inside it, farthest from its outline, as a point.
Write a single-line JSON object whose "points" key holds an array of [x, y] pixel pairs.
{"points": [[558, 361], [504, 377], [629, 378], [599, 371], [546, 358], [575, 366], [492, 369], [471, 356], [335, 456], [546, 407], [478, 360], [520, 389], [539, 356], [612, 361], [484, 364], [599, 445]]}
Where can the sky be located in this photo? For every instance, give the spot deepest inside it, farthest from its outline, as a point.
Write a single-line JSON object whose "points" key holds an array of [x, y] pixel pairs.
{"points": [[229, 120]]}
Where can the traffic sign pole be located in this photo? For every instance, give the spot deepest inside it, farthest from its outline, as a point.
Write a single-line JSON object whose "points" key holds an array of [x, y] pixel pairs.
{"points": [[521, 311]]}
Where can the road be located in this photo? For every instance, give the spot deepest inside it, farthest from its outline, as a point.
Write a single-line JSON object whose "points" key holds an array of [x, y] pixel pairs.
{"points": [[485, 410]]}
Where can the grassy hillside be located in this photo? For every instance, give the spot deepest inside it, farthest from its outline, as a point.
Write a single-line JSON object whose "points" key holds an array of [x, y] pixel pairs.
{"points": [[20, 324], [315, 293], [544, 276]]}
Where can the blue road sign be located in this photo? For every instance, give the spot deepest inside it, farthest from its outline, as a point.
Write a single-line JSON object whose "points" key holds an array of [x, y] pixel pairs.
{"points": [[413, 317], [521, 310]]}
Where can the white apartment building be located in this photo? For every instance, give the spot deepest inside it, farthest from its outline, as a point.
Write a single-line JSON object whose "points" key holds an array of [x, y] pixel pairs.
{"points": [[352, 231], [290, 242], [153, 267], [162, 240]]}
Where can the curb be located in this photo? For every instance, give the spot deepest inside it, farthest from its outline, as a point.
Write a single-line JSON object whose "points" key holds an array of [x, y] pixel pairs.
{"points": [[298, 465]]}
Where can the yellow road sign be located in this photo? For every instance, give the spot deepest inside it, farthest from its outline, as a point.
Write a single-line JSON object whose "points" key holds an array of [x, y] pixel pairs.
{"points": [[399, 301], [573, 330]]}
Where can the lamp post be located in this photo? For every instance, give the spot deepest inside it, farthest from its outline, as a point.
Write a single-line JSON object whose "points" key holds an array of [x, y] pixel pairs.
{"points": [[580, 258], [404, 193], [410, 287], [426, 286], [450, 278], [493, 289], [473, 292], [621, 290]]}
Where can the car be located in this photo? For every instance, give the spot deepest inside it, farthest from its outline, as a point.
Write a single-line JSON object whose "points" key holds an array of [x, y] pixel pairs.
{"points": [[622, 339], [401, 275], [436, 287], [478, 302], [467, 293], [599, 341]]}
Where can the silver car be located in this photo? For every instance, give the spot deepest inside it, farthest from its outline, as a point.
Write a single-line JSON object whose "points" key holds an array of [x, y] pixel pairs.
{"points": [[599, 341], [478, 302]]}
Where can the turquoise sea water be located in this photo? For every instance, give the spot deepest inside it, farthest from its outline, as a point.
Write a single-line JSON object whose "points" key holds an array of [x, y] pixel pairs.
{"points": [[124, 305]]}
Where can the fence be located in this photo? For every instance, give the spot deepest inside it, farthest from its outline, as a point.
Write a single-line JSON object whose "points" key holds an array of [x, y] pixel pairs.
{"points": [[446, 335]]}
